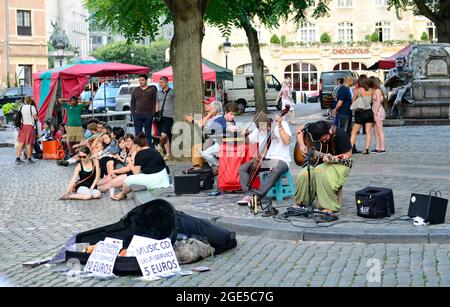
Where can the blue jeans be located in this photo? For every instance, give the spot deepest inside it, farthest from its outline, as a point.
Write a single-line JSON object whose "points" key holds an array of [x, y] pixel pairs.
{"points": [[143, 121]]}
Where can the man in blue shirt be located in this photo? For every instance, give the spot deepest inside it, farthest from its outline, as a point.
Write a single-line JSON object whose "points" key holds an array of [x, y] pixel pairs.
{"points": [[342, 111], [220, 128]]}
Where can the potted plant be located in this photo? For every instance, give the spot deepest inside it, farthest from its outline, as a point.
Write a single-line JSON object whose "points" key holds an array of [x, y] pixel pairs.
{"points": [[275, 41]]}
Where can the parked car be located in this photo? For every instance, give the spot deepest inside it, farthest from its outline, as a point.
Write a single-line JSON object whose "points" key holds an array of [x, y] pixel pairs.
{"points": [[13, 94], [106, 95], [328, 83], [313, 97], [241, 91]]}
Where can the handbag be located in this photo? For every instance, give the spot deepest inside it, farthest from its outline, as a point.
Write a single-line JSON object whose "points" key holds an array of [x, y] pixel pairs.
{"points": [[360, 104], [157, 117]]}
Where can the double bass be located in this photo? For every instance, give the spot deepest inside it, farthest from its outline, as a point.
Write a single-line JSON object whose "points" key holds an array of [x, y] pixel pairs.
{"points": [[264, 149]]}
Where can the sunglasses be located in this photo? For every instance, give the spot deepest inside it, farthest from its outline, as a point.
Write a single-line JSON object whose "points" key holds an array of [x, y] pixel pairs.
{"points": [[82, 157]]}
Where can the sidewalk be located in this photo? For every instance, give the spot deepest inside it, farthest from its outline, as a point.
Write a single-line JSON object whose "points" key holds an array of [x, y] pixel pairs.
{"points": [[414, 163]]}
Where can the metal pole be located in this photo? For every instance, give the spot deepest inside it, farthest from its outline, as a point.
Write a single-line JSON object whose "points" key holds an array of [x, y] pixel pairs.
{"points": [[7, 42], [226, 61]]}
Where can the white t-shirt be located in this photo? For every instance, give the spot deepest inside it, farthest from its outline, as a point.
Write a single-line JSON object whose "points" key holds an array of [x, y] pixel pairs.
{"points": [[27, 117], [278, 150]]}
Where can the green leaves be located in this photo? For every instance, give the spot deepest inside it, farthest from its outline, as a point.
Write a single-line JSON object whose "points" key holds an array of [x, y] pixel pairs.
{"points": [[136, 54], [134, 19]]}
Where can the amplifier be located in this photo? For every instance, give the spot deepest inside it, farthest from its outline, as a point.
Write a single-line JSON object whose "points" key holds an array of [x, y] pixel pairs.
{"points": [[187, 184], [375, 203], [431, 208]]}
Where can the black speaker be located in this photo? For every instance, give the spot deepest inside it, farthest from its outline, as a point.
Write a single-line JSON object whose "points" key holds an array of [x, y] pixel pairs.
{"points": [[431, 208], [375, 203], [187, 184]]}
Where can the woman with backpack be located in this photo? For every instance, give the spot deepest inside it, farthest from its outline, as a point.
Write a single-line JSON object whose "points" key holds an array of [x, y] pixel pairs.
{"points": [[25, 121]]}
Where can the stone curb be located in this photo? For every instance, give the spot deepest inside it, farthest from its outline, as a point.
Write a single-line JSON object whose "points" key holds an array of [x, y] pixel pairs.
{"points": [[406, 235], [6, 145]]}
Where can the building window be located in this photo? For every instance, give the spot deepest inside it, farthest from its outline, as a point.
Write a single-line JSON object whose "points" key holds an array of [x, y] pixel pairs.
{"points": [[354, 66], [303, 76], [24, 74], [24, 23], [345, 3], [383, 28], [381, 2], [431, 30], [248, 69], [345, 31], [308, 33]]}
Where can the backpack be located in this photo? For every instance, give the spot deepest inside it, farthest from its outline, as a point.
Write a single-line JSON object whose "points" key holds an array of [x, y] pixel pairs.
{"points": [[192, 250], [18, 118]]}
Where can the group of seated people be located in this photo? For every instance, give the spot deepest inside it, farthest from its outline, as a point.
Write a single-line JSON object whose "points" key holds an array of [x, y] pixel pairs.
{"points": [[109, 160]]}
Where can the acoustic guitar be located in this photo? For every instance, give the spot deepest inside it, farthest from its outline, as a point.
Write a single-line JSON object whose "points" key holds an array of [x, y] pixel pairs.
{"points": [[317, 151]]}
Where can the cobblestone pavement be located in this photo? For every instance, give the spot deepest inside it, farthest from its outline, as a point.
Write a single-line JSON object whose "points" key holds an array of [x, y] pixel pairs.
{"points": [[34, 224]]}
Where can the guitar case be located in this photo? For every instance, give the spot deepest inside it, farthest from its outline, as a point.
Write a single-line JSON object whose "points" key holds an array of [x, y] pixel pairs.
{"points": [[157, 220]]}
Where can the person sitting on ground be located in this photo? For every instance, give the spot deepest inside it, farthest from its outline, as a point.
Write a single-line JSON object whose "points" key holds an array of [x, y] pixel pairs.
{"points": [[55, 134], [117, 177], [326, 178], [87, 172], [220, 128], [212, 112], [108, 160], [88, 133], [62, 129], [45, 133], [93, 134], [148, 167], [97, 149], [277, 159]]}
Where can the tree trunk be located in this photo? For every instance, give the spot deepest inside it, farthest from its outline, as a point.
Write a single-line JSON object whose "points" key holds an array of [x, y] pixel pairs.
{"points": [[258, 67], [186, 55], [443, 22]]}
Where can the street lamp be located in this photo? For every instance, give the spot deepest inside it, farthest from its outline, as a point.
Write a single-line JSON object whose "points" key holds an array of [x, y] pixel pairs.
{"points": [[226, 50], [60, 48]]}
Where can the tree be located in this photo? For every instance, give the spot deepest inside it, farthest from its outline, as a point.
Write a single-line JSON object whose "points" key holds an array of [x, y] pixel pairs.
{"points": [[438, 11], [153, 56], [242, 14], [138, 19]]}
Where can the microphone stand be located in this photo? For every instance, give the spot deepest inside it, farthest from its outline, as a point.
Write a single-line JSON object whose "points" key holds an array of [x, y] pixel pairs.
{"points": [[310, 212]]}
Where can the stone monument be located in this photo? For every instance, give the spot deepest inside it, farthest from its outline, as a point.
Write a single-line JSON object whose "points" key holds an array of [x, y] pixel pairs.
{"points": [[430, 88]]}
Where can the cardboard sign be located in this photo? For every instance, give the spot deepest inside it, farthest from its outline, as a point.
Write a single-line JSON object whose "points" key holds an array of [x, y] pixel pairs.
{"points": [[155, 258], [101, 262]]}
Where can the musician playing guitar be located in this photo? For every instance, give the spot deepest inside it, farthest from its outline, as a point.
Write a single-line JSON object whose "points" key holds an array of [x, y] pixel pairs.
{"points": [[274, 156], [326, 178]]}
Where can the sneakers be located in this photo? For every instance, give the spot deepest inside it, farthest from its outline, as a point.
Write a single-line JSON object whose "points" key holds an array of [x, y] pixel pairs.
{"points": [[29, 161], [365, 151], [19, 161], [245, 201]]}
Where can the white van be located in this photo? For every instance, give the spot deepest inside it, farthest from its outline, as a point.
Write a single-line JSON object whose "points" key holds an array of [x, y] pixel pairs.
{"points": [[241, 91]]}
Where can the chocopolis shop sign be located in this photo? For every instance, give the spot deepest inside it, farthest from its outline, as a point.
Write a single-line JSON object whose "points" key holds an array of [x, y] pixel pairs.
{"points": [[350, 51]]}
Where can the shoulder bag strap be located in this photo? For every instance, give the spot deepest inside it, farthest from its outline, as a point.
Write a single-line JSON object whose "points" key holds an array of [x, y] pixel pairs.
{"points": [[164, 103]]}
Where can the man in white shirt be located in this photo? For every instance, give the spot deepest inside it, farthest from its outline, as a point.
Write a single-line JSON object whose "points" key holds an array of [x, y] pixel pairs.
{"points": [[277, 160]]}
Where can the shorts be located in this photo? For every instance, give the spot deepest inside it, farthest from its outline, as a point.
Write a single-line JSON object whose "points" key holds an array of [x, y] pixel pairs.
{"points": [[364, 117], [86, 191], [75, 134], [165, 126], [286, 102], [27, 135]]}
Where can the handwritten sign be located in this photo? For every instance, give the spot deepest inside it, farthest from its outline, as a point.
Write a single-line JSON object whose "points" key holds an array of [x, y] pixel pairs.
{"points": [[101, 262], [155, 258]]}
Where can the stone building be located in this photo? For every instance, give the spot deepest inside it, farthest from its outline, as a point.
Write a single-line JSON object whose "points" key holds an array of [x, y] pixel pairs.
{"points": [[23, 43]]}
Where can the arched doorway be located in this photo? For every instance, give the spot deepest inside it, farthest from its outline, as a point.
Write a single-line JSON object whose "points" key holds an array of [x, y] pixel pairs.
{"points": [[304, 76]]}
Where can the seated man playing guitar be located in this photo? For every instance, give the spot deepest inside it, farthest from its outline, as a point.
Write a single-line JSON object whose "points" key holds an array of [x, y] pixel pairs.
{"points": [[331, 151], [274, 156]]}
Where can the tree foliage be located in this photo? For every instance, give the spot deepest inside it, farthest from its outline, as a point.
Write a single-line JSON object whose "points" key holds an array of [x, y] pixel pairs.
{"points": [[121, 52]]}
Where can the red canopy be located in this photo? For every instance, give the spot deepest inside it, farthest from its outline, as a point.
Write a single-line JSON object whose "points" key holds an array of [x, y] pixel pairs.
{"points": [[389, 62], [209, 74], [102, 69]]}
